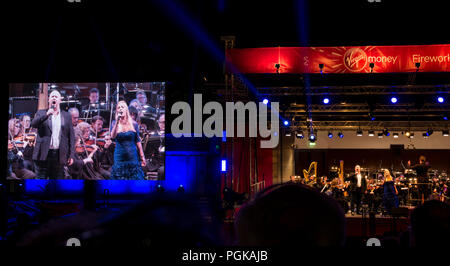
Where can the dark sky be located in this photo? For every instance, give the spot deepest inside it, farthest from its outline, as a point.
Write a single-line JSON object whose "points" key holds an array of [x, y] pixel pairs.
{"points": [[148, 40]]}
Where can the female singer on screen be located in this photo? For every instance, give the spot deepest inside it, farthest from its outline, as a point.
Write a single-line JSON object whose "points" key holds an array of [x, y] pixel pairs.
{"points": [[390, 199], [128, 149]]}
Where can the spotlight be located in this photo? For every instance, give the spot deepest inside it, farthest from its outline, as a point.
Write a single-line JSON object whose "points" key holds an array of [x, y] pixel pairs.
{"points": [[425, 135], [223, 166], [380, 135], [395, 135], [340, 135], [429, 132], [445, 133], [312, 137], [393, 99], [440, 99], [371, 133], [330, 135], [386, 132], [265, 101], [288, 133], [286, 123], [326, 101], [445, 118], [411, 135], [359, 133], [407, 134], [299, 134]]}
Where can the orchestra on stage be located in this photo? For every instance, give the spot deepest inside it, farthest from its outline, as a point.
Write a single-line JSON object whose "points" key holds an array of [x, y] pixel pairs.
{"points": [[379, 190]]}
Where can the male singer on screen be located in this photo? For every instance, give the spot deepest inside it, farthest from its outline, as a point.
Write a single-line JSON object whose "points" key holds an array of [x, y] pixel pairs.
{"points": [[55, 139], [128, 149]]}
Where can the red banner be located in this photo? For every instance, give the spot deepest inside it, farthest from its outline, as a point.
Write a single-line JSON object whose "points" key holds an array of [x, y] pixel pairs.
{"points": [[342, 59]]}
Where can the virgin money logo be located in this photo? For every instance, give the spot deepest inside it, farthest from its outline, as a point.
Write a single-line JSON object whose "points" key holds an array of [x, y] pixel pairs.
{"points": [[355, 59]]}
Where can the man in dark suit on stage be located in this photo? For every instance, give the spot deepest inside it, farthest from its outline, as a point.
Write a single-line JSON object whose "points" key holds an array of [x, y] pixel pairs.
{"points": [[358, 187], [422, 177], [55, 143]]}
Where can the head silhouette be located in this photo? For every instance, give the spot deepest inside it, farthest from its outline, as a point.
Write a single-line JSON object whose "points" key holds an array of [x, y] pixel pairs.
{"points": [[291, 215], [430, 224]]}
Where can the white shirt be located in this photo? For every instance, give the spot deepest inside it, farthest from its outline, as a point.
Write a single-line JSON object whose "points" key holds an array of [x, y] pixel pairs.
{"points": [[358, 177], [56, 129]]}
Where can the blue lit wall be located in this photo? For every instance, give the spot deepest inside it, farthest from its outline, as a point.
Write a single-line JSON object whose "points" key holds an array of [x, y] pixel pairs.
{"points": [[186, 168], [36, 186]]}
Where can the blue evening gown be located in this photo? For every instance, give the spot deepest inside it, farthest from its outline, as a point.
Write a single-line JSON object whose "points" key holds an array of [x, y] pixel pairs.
{"points": [[126, 160]]}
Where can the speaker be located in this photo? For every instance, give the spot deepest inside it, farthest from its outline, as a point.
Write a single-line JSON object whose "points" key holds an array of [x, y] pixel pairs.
{"points": [[23, 105]]}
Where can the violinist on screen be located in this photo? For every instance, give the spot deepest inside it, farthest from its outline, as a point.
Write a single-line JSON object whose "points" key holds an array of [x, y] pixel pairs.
{"points": [[55, 143]]}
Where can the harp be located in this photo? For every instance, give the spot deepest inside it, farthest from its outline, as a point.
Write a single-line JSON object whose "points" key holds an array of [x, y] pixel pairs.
{"points": [[309, 173], [341, 176], [341, 171]]}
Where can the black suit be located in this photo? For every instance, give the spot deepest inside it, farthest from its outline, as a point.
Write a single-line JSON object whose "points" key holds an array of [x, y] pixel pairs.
{"points": [[422, 178], [50, 163], [357, 192]]}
